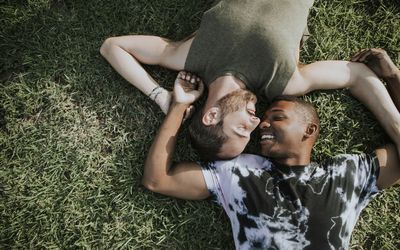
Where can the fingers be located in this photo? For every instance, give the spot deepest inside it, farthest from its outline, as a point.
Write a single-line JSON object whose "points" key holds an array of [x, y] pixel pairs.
{"points": [[376, 51], [188, 87], [187, 76], [361, 56], [364, 56], [188, 113], [356, 56], [365, 53], [181, 75], [197, 93]]}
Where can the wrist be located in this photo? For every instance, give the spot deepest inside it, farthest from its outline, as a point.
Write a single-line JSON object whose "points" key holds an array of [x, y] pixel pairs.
{"points": [[394, 76], [179, 106]]}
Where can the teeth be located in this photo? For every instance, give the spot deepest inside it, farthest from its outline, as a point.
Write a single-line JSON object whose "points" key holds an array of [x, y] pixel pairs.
{"points": [[267, 137], [252, 112]]}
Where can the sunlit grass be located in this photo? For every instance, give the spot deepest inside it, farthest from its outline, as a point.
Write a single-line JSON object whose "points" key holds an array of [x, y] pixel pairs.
{"points": [[74, 135]]}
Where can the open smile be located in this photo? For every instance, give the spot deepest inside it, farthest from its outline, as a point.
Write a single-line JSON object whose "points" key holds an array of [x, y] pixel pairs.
{"points": [[267, 136]]}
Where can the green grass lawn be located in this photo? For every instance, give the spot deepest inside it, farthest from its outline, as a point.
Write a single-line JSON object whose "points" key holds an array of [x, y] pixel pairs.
{"points": [[74, 134]]}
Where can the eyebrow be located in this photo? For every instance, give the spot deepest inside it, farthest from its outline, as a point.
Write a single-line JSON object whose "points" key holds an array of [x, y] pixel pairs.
{"points": [[277, 110]]}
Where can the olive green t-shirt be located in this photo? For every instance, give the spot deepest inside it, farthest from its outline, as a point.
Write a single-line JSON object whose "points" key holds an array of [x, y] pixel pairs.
{"points": [[253, 40]]}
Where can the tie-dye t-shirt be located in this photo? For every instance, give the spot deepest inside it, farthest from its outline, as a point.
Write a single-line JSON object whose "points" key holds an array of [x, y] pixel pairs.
{"points": [[273, 206]]}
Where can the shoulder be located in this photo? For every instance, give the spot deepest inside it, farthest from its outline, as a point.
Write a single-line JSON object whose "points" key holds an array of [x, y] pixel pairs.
{"points": [[351, 159], [351, 163], [243, 160]]}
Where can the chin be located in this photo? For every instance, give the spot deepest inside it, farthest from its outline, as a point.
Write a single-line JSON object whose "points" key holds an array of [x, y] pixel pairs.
{"points": [[272, 154], [266, 152]]}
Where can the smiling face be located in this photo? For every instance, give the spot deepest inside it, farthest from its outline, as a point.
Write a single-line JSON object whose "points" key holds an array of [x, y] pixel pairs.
{"points": [[223, 131], [282, 131], [237, 127]]}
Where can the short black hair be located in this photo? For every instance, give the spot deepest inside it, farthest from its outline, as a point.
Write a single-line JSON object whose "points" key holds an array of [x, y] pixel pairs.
{"points": [[306, 109]]}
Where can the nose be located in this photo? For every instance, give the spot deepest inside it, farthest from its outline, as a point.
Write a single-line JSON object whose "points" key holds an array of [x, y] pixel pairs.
{"points": [[255, 119], [264, 124]]}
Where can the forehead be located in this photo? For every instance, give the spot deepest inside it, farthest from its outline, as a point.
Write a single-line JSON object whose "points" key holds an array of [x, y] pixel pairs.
{"points": [[281, 106]]}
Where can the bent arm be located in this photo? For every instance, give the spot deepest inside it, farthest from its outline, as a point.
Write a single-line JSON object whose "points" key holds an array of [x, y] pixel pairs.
{"points": [[335, 74], [125, 53], [382, 65], [363, 85], [184, 180], [389, 171]]}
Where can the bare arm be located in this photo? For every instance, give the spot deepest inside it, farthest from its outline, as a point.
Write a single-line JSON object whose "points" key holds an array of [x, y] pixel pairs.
{"points": [[184, 180], [382, 65], [389, 166], [334, 75], [125, 53], [362, 83]]}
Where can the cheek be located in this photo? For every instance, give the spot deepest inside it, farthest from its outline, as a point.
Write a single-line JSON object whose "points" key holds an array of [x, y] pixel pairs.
{"points": [[296, 129]]}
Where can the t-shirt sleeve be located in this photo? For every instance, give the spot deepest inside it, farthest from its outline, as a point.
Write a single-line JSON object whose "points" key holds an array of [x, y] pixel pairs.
{"points": [[209, 176], [356, 175], [366, 175], [221, 180], [212, 179], [222, 177]]}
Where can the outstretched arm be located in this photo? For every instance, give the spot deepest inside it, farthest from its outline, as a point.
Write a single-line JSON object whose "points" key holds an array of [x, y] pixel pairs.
{"points": [[184, 180], [362, 83], [382, 65], [125, 53]]}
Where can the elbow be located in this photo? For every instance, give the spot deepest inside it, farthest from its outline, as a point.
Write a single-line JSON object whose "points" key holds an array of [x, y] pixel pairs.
{"points": [[152, 185], [154, 179], [106, 46], [148, 184]]}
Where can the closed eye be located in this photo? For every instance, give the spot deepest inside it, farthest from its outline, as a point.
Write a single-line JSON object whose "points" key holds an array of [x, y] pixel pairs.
{"points": [[279, 118]]}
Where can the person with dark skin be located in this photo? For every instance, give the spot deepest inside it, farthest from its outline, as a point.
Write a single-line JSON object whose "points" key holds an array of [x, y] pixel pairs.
{"points": [[280, 200]]}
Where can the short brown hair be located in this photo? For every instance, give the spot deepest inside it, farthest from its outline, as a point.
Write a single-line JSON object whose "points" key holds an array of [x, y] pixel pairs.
{"points": [[208, 140]]}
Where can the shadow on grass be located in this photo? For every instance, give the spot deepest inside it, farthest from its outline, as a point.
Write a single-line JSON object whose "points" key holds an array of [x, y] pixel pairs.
{"points": [[75, 134], [84, 132]]}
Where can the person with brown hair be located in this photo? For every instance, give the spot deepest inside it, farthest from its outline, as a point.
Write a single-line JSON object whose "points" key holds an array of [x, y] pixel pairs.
{"points": [[245, 45]]}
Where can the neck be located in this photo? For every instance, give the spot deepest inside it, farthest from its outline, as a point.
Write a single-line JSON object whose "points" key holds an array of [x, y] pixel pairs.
{"points": [[295, 159], [220, 87]]}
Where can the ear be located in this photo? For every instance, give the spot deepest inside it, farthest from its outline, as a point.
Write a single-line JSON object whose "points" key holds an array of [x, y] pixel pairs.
{"points": [[212, 116], [311, 130]]}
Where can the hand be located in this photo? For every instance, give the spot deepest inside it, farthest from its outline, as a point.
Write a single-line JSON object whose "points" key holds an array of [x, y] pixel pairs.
{"points": [[378, 61], [187, 88]]}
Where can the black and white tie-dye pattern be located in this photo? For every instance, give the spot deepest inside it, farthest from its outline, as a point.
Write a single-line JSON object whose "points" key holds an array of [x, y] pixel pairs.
{"points": [[273, 206]]}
